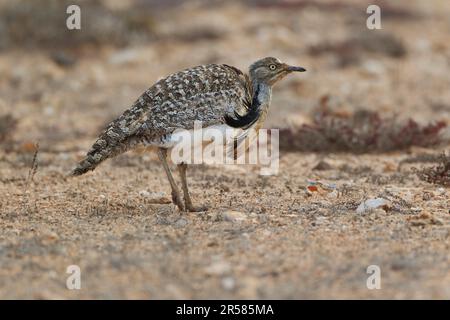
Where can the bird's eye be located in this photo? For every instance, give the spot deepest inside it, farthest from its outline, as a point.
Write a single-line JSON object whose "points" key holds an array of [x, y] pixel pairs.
{"points": [[272, 67]]}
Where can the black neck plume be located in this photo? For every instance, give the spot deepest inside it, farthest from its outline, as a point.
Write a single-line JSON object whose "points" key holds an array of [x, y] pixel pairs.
{"points": [[252, 115]]}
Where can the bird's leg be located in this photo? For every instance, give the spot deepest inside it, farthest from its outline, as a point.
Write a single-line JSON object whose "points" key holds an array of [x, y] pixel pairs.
{"points": [[187, 199], [176, 198]]}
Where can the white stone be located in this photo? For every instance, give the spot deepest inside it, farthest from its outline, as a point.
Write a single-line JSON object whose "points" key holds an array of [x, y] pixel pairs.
{"points": [[228, 283], [144, 193], [371, 204], [218, 268], [234, 216]]}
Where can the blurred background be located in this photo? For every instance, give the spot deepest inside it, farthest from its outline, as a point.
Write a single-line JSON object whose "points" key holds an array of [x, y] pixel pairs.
{"points": [[63, 85]]}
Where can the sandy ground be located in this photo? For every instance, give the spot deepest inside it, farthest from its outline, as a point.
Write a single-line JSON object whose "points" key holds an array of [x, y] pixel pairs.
{"points": [[293, 235]]}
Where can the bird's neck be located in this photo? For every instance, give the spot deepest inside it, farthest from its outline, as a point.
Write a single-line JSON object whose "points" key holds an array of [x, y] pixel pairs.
{"points": [[257, 112], [262, 95]]}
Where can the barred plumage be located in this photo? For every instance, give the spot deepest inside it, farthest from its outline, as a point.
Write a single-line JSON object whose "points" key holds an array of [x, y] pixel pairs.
{"points": [[204, 93], [213, 94]]}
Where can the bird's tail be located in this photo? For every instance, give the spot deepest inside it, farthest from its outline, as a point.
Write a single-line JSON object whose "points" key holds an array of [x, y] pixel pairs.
{"points": [[110, 143]]}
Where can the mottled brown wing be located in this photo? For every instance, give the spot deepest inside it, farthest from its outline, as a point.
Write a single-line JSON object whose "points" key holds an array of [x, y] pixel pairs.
{"points": [[204, 93]]}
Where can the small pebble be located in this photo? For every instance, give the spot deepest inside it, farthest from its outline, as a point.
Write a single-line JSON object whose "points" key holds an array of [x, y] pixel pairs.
{"points": [[234, 216], [371, 204], [228, 283]]}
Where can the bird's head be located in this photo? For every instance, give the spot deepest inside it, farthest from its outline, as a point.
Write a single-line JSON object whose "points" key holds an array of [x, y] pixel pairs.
{"points": [[270, 70]]}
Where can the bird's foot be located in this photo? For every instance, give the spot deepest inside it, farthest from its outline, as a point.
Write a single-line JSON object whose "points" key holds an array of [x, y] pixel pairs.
{"points": [[191, 208], [176, 199]]}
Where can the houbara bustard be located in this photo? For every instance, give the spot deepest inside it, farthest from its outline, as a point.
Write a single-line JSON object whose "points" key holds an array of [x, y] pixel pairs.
{"points": [[215, 94]]}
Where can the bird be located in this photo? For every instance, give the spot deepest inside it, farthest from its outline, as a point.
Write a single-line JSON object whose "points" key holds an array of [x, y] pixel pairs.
{"points": [[215, 94]]}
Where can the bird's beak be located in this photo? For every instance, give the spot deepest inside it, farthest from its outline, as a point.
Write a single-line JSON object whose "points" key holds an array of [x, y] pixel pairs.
{"points": [[297, 69]]}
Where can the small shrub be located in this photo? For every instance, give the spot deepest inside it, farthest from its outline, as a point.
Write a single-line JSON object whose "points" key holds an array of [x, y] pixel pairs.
{"points": [[438, 174], [360, 132]]}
